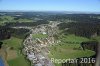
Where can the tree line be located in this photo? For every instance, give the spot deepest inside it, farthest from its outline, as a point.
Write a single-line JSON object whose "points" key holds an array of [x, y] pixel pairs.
{"points": [[81, 29]]}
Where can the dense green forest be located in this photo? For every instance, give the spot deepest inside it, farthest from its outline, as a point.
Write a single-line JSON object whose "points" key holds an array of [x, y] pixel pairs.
{"points": [[81, 29]]}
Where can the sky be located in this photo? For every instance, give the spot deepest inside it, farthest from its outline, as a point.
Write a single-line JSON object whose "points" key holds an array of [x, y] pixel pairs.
{"points": [[51, 5]]}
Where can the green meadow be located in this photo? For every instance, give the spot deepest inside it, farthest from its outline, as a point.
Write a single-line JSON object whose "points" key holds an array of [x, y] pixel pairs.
{"points": [[65, 50], [40, 35], [19, 59]]}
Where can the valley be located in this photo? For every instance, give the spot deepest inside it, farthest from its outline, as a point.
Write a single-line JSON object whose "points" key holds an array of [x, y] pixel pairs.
{"points": [[32, 39]]}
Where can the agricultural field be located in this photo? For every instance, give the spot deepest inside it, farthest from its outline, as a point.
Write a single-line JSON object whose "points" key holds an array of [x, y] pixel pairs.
{"points": [[40, 35], [65, 50], [4, 19], [14, 54], [21, 61]]}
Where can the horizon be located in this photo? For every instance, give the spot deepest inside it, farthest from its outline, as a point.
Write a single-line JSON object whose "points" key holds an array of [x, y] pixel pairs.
{"points": [[91, 6], [66, 12]]}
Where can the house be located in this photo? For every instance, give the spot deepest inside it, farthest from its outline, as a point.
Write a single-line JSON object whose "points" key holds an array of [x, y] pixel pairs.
{"points": [[31, 56], [39, 64]]}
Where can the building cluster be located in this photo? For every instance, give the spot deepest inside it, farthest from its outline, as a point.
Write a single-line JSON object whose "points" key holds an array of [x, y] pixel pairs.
{"points": [[32, 48]]}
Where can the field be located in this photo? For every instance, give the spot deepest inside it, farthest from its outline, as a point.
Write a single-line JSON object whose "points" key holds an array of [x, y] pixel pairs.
{"points": [[65, 50], [4, 19], [13, 42], [20, 61], [72, 38], [13, 52], [39, 35]]}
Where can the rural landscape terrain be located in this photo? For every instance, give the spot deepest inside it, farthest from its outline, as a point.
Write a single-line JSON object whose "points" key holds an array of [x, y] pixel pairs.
{"points": [[35, 38]]}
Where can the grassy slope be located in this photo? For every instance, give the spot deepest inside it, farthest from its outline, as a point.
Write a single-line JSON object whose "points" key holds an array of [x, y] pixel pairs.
{"points": [[10, 19], [13, 42], [64, 50], [72, 38], [5, 18], [19, 60], [40, 35]]}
